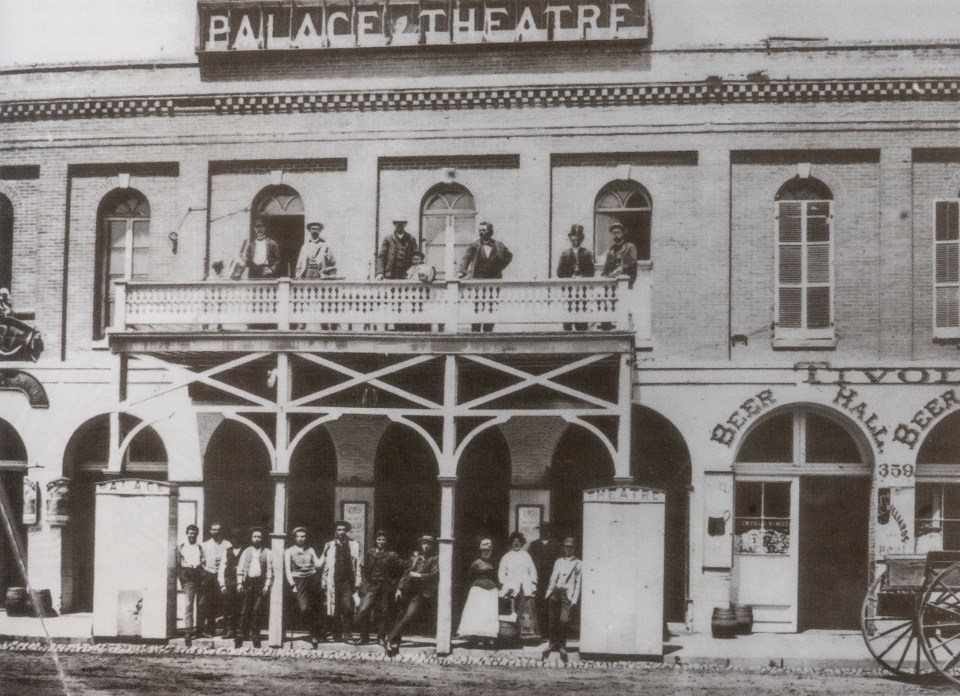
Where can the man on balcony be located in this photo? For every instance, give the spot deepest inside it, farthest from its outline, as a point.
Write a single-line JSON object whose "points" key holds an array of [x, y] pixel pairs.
{"points": [[621, 256], [396, 253], [485, 258], [263, 256], [316, 258], [576, 262]]}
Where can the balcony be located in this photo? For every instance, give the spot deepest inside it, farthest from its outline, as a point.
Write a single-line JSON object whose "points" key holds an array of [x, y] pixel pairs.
{"points": [[334, 309]]}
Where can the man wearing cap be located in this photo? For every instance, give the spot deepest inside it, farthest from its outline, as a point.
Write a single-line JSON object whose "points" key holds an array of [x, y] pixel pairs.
{"points": [[190, 570], [341, 578], [621, 257], [485, 258], [416, 590], [576, 262], [214, 555], [300, 568], [263, 254], [563, 594], [396, 253], [254, 578], [316, 259], [381, 572]]}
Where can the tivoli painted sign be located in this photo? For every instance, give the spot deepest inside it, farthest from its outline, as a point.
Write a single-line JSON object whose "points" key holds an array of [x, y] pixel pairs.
{"points": [[227, 25]]}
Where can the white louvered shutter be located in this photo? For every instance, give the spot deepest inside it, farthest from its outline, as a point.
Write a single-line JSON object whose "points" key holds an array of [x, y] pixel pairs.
{"points": [[804, 269], [946, 263]]}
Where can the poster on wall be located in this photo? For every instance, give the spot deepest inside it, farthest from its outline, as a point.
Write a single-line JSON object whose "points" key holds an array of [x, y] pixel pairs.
{"points": [[895, 520], [718, 520], [58, 495], [31, 502], [356, 515], [529, 520]]}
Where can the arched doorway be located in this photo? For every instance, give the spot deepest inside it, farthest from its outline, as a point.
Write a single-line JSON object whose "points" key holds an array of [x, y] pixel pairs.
{"points": [[801, 520], [448, 222], [580, 461], [313, 486], [660, 459], [281, 209], [481, 504], [407, 493], [628, 203], [937, 523], [237, 490], [13, 466], [123, 249], [85, 464]]}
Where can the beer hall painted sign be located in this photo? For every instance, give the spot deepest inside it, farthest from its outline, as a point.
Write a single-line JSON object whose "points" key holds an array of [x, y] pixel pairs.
{"points": [[226, 25]]}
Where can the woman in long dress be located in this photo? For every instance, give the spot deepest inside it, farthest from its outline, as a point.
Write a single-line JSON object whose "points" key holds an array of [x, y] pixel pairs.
{"points": [[479, 620], [518, 581]]}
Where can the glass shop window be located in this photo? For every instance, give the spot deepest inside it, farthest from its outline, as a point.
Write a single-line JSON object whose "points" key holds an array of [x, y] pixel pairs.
{"points": [[762, 524], [938, 517]]}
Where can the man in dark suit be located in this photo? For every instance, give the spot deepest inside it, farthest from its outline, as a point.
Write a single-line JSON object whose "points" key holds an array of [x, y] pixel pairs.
{"points": [[263, 254], [382, 569], [396, 253], [576, 262], [544, 552], [621, 257], [485, 258]]}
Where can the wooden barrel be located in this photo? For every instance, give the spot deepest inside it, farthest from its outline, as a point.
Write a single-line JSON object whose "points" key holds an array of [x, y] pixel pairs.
{"points": [[44, 602], [724, 623], [744, 616], [17, 602]]}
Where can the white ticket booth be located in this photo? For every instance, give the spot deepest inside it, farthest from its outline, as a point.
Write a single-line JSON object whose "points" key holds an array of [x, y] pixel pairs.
{"points": [[134, 593], [623, 552]]}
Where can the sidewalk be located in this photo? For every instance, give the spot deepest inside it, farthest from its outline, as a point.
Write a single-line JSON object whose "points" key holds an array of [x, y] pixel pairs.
{"points": [[809, 650]]}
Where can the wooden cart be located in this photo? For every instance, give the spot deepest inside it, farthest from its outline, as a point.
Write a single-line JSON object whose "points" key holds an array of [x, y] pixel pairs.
{"points": [[911, 615]]}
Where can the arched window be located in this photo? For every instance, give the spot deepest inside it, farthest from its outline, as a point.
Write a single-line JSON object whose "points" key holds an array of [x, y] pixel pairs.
{"points": [[946, 262], [123, 247], [6, 242], [628, 203], [804, 260], [448, 220], [938, 488]]}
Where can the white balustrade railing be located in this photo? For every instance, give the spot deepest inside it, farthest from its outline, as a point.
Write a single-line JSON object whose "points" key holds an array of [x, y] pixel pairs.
{"points": [[368, 306]]}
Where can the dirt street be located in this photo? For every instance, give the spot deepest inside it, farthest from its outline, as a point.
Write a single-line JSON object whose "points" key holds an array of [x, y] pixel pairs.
{"points": [[33, 674]]}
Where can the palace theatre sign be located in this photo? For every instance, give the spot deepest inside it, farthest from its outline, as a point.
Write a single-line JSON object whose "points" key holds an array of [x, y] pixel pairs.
{"points": [[239, 25]]}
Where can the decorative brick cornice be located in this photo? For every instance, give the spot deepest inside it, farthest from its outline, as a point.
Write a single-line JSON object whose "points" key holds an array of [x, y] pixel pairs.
{"points": [[713, 91]]}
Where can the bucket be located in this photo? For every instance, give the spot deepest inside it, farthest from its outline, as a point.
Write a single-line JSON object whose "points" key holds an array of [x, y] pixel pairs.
{"points": [[744, 616], [17, 602], [724, 623]]}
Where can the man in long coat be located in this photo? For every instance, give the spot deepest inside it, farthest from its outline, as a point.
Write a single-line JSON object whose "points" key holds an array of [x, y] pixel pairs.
{"points": [[485, 258], [396, 253], [341, 577]]}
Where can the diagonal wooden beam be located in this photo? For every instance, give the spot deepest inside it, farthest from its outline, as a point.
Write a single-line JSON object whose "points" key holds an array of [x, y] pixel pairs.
{"points": [[545, 380], [357, 377], [204, 377]]}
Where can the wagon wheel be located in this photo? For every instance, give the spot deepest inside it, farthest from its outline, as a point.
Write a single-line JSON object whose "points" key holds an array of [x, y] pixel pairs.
{"points": [[939, 622], [890, 631]]}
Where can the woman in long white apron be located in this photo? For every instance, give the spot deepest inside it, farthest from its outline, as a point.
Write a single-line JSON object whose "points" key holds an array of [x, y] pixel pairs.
{"points": [[479, 620]]}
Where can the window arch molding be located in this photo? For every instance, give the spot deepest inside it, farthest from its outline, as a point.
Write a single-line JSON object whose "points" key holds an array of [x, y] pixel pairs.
{"points": [[803, 266], [628, 202], [448, 223], [122, 248]]}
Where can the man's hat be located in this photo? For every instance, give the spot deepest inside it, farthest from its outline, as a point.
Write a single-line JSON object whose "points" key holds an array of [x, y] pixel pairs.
{"points": [[427, 538], [314, 224], [299, 529], [576, 231], [381, 533], [193, 528], [616, 226], [400, 220], [255, 529], [342, 523]]}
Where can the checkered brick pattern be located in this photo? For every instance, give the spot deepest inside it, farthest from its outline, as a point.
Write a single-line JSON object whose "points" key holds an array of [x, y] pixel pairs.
{"points": [[711, 91]]}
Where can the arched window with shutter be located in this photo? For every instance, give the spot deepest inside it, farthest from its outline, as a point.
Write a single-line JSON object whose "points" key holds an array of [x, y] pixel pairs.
{"points": [[946, 265], [123, 246], [804, 261], [448, 222], [629, 203]]}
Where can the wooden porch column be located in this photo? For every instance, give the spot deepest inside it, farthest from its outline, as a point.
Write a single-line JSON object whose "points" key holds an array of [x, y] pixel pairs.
{"points": [[280, 474], [621, 462], [448, 478]]}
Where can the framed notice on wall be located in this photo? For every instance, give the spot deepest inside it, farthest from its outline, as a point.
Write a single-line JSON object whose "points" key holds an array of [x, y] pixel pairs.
{"points": [[355, 513], [529, 519], [718, 520]]}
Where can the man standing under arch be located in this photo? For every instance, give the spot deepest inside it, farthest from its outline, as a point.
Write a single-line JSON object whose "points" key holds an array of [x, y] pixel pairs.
{"points": [[341, 578]]}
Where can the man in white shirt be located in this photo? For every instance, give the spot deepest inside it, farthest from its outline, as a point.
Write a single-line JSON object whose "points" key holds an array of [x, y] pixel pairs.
{"points": [[254, 578], [263, 254], [563, 594], [189, 569], [316, 259], [214, 555]]}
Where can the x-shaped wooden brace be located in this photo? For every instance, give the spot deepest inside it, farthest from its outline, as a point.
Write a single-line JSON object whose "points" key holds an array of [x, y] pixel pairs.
{"points": [[546, 380], [357, 377], [188, 377]]}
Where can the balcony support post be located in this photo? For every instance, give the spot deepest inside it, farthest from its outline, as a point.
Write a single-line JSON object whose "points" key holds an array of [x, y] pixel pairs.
{"points": [[280, 475], [448, 478], [621, 464]]}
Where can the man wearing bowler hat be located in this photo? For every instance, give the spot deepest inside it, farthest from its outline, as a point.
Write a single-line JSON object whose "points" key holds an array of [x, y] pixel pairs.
{"points": [[416, 591], [381, 571], [396, 253], [341, 578], [576, 262]]}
